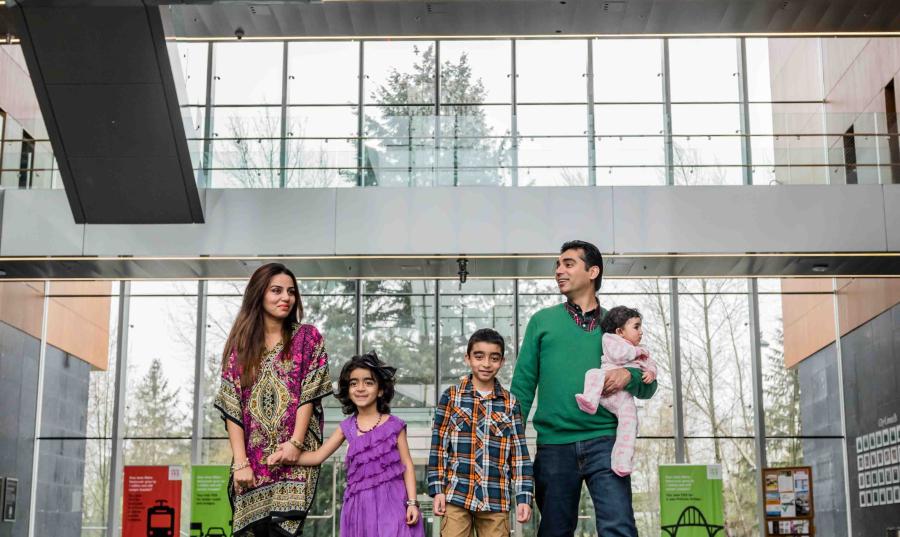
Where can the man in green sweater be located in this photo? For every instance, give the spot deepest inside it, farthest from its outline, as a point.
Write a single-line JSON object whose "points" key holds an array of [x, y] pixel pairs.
{"points": [[561, 343]]}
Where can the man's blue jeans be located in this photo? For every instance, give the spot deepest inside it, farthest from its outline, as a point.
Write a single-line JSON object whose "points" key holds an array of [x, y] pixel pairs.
{"points": [[559, 470]]}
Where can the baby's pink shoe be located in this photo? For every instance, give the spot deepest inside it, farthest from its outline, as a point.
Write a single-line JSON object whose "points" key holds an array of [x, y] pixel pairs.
{"points": [[585, 404]]}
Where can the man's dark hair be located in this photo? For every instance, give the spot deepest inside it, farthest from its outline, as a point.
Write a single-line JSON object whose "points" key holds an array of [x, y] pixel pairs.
{"points": [[590, 255], [617, 317], [486, 335]]}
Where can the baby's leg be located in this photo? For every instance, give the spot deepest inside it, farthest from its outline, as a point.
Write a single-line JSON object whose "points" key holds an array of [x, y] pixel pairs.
{"points": [[593, 389], [626, 433]]}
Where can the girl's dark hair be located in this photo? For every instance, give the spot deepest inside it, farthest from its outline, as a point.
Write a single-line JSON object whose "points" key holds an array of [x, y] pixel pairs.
{"points": [[247, 337], [617, 317], [384, 376]]}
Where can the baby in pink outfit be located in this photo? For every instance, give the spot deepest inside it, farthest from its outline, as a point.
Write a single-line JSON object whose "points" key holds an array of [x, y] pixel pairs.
{"points": [[622, 335]]}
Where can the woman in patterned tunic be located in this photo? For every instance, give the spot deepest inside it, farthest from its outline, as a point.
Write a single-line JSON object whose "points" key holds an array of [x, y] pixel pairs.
{"points": [[274, 375]]}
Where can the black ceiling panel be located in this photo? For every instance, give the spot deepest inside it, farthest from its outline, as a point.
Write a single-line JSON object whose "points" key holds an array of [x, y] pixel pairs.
{"points": [[113, 120], [135, 190], [107, 94]]}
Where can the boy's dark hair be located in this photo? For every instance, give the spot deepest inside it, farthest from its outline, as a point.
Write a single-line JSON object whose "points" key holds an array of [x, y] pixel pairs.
{"points": [[617, 317], [486, 335], [590, 255], [384, 376]]}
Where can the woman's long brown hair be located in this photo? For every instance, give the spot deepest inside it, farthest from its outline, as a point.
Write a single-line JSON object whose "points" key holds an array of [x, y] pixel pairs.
{"points": [[247, 337]]}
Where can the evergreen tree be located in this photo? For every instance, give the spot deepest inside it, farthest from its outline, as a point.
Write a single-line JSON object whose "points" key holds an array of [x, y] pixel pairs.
{"points": [[781, 388], [411, 146], [153, 412]]}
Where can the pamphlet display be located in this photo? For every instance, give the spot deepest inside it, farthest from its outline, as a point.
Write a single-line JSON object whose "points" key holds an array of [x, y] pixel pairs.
{"points": [[789, 501]]}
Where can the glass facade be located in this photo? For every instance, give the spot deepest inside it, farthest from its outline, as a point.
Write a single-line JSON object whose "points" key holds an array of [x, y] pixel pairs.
{"points": [[700, 327], [507, 112]]}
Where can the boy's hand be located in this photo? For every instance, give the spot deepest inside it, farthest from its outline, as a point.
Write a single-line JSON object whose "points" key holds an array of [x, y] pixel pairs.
{"points": [[412, 515], [523, 513], [440, 504], [648, 377]]}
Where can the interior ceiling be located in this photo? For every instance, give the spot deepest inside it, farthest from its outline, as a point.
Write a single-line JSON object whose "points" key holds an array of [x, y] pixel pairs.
{"points": [[415, 18], [447, 267]]}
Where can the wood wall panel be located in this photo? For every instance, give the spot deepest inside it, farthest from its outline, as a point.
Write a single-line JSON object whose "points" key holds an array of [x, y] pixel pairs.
{"points": [[76, 324], [809, 319]]}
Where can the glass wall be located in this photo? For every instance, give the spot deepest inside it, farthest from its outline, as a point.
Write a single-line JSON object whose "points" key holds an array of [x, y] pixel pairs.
{"points": [[526, 112], [702, 327], [518, 112]]}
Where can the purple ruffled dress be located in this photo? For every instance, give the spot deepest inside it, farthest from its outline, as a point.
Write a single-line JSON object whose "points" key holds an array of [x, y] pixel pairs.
{"points": [[375, 497]]}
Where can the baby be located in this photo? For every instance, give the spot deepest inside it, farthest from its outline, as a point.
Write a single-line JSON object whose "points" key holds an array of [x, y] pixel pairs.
{"points": [[622, 335]]}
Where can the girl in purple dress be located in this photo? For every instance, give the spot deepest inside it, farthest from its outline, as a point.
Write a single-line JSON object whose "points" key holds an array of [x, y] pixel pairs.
{"points": [[274, 376], [380, 498]]}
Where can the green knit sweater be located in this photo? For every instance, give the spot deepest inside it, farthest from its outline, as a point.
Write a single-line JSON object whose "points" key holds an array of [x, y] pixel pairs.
{"points": [[555, 355]]}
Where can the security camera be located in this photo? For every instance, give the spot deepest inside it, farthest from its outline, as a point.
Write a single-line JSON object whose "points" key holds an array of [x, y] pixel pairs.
{"points": [[239, 33], [463, 273]]}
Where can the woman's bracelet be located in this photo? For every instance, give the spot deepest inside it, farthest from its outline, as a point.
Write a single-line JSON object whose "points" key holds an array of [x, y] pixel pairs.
{"points": [[235, 467], [296, 444], [412, 503]]}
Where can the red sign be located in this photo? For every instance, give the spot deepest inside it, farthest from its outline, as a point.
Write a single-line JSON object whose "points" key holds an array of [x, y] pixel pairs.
{"points": [[151, 503]]}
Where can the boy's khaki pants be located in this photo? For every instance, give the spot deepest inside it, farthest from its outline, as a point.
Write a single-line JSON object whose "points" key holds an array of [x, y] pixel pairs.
{"points": [[459, 522]]}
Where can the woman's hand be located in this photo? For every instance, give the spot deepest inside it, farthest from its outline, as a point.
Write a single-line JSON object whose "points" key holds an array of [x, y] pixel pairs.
{"points": [[286, 453], [243, 479], [412, 515]]}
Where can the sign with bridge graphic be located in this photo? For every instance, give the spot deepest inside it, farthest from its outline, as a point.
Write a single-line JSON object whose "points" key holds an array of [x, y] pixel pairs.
{"points": [[690, 499]]}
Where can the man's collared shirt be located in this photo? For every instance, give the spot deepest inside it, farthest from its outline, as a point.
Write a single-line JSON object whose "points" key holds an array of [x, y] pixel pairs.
{"points": [[589, 320], [478, 452]]}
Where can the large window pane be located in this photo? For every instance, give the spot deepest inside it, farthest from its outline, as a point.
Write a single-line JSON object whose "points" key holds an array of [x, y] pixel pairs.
{"points": [[551, 71], [538, 120], [715, 350], [159, 395], [399, 72], [248, 73], [475, 145], [479, 304], [737, 457], [194, 59], [398, 324], [628, 70], [475, 72], [323, 72], [704, 69], [400, 146]]}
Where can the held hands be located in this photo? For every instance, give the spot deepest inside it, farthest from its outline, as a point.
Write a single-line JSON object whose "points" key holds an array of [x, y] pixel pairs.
{"points": [[243, 479], [523, 513], [286, 453], [412, 515], [440, 504], [616, 380]]}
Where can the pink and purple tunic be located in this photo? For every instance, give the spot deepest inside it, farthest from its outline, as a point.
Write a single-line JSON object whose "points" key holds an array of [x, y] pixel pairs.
{"points": [[267, 411]]}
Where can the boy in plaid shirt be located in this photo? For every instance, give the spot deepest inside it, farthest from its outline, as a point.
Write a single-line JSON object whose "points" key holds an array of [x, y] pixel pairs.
{"points": [[478, 453]]}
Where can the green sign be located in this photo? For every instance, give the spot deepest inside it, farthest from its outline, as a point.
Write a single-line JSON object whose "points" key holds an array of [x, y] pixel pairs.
{"points": [[210, 509], [690, 500]]}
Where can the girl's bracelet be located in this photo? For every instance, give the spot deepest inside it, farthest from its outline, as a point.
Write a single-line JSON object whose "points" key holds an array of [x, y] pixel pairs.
{"points": [[241, 466], [412, 503], [296, 444]]}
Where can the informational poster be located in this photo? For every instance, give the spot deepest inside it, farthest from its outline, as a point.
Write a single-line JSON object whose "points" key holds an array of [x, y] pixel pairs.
{"points": [[878, 466], [210, 508], [10, 491], [789, 501], [690, 500], [151, 502]]}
